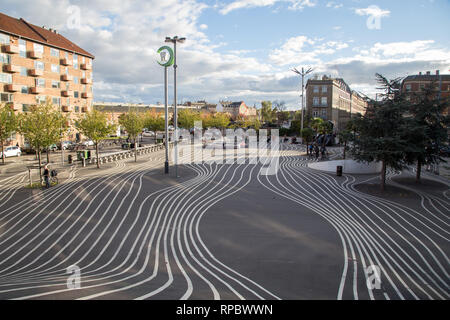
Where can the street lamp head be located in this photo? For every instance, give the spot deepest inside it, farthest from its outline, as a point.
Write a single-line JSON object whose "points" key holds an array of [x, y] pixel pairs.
{"points": [[168, 39], [181, 40]]}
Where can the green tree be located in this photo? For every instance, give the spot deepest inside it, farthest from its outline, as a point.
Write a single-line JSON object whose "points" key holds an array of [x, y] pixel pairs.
{"points": [[8, 125], [381, 134], [43, 126], [154, 122], [307, 134], [95, 126], [133, 124], [187, 117], [428, 128], [267, 113]]}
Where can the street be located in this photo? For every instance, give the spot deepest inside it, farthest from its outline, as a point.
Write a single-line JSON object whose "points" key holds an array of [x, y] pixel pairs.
{"points": [[224, 231]]}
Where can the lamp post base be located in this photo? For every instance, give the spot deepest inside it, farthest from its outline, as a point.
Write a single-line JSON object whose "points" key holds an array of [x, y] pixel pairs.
{"points": [[166, 167]]}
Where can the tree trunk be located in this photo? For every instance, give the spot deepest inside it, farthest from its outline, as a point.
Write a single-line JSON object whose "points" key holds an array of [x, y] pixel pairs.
{"points": [[39, 161], [383, 176], [48, 157], [418, 171], [135, 149], [3, 153], [96, 152]]}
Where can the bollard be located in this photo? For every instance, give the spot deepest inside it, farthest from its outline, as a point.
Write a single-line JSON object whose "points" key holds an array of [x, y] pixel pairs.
{"points": [[83, 160], [339, 171], [70, 159]]}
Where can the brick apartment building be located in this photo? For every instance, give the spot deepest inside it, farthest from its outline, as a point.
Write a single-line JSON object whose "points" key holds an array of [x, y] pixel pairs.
{"points": [[417, 83], [237, 109], [333, 100], [38, 63]]}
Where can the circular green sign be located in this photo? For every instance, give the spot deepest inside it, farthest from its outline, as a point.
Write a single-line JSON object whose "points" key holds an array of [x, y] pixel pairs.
{"points": [[165, 56]]}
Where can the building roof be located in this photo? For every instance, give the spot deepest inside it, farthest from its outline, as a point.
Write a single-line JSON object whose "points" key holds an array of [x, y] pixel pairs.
{"points": [[427, 77], [26, 30]]}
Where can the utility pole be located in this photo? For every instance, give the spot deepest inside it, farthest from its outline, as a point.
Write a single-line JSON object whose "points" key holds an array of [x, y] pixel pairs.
{"points": [[303, 73], [174, 40]]}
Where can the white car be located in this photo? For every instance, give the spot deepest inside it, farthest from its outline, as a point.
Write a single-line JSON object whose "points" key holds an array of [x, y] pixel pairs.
{"points": [[148, 134], [12, 152], [88, 143]]}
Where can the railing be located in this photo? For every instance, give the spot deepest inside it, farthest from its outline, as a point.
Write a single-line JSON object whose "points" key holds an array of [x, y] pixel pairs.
{"points": [[126, 154]]}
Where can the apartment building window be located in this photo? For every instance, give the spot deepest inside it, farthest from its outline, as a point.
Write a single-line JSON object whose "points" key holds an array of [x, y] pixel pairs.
{"points": [[75, 61], [55, 84], [83, 59], [408, 87], [75, 94], [422, 86], [316, 89], [5, 78], [324, 89], [24, 89], [54, 52], [5, 58], [75, 80], [38, 47], [315, 101], [39, 65], [315, 113], [84, 88], [56, 101], [77, 109], [40, 83], [22, 48], [67, 71], [324, 101], [68, 101], [4, 38], [55, 68], [25, 107], [6, 97], [23, 71], [324, 113], [83, 74], [41, 99]]}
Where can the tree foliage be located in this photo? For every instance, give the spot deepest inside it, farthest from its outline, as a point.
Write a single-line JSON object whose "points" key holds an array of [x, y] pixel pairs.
{"points": [[95, 126], [8, 125], [133, 124]]}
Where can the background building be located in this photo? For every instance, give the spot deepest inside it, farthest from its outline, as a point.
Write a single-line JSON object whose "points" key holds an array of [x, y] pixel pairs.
{"points": [[236, 109], [333, 100], [38, 64], [415, 84]]}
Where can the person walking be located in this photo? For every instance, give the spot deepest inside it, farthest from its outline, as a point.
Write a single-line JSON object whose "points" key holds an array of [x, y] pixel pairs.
{"points": [[47, 176], [316, 150]]}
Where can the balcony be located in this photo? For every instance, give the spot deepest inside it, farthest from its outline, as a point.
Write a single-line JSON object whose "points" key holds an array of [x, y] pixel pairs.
{"points": [[65, 109], [86, 81], [11, 68], [14, 106], [37, 90], [66, 62], [85, 66], [36, 72], [86, 95], [84, 109], [34, 55], [13, 87], [10, 48], [67, 93], [66, 77]]}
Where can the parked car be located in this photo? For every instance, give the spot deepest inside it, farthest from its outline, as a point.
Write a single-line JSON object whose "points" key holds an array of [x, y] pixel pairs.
{"points": [[445, 151], [11, 152], [53, 147], [148, 134], [65, 145], [88, 143]]}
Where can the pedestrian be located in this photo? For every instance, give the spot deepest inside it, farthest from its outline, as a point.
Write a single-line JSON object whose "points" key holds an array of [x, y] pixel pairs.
{"points": [[311, 148], [47, 176], [316, 150]]}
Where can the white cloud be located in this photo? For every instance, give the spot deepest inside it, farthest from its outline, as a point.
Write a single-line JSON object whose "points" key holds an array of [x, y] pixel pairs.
{"points": [[373, 11], [240, 4], [334, 5], [203, 26]]}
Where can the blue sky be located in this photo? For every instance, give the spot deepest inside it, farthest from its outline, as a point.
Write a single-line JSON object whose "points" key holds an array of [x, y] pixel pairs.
{"points": [[244, 49]]}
